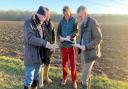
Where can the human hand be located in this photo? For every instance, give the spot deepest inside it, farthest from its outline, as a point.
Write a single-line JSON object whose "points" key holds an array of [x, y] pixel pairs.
{"points": [[76, 45], [61, 39], [48, 45], [68, 38], [82, 47]]}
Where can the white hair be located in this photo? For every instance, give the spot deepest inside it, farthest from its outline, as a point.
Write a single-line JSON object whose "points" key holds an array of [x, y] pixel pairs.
{"points": [[81, 8]]}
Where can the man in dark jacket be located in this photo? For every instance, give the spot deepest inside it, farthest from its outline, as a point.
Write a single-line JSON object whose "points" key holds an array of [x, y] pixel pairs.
{"points": [[90, 39], [33, 40], [49, 35], [67, 32]]}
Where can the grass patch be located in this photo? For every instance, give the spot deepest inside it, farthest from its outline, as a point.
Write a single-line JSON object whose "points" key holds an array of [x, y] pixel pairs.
{"points": [[12, 75], [101, 82]]}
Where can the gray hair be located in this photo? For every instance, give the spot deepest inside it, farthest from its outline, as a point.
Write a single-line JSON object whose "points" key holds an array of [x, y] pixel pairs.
{"points": [[81, 8]]}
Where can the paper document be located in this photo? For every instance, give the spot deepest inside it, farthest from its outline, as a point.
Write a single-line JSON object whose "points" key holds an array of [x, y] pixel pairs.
{"points": [[76, 45], [54, 46], [62, 39]]}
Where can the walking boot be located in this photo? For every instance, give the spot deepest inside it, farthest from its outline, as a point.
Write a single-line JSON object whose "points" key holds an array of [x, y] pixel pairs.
{"points": [[34, 84], [84, 86], [41, 81], [26, 87], [74, 85], [46, 77]]}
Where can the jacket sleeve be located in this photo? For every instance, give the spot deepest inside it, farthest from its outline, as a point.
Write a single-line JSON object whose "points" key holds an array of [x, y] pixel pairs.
{"points": [[80, 34], [59, 31], [53, 33], [96, 34], [30, 37], [75, 33]]}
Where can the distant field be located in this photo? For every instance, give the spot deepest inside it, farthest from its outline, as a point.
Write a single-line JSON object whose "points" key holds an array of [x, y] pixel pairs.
{"points": [[113, 64]]}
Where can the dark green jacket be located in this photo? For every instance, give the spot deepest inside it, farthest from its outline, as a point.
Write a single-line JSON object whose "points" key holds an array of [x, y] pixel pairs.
{"points": [[49, 31], [49, 35]]}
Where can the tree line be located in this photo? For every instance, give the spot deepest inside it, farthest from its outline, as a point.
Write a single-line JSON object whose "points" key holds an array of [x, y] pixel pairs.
{"points": [[22, 15]]}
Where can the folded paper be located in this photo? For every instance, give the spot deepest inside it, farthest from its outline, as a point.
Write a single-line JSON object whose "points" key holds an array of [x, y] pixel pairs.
{"points": [[54, 46]]}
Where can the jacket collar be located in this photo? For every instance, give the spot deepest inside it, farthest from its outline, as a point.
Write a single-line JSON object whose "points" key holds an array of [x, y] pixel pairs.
{"points": [[85, 22]]}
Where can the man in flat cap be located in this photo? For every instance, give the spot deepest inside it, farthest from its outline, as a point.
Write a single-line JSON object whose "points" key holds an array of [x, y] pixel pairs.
{"points": [[33, 41]]}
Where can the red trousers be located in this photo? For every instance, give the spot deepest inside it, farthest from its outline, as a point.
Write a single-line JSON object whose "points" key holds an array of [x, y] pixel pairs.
{"points": [[69, 54]]}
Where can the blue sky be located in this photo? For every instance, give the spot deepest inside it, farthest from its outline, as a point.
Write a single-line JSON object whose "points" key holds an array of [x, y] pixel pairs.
{"points": [[94, 6]]}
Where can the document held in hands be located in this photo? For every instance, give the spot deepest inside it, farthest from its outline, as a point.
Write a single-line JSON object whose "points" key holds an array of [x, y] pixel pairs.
{"points": [[66, 39], [54, 46], [77, 45]]}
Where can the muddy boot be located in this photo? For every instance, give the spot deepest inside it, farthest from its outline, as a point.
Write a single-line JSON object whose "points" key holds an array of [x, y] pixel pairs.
{"points": [[34, 84], [89, 83], [63, 83], [46, 71], [41, 81], [26, 87], [75, 85], [83, 85]]}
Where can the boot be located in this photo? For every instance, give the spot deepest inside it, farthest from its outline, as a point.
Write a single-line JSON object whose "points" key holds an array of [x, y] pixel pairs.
{"points": [[26, 87], [46, 71], [41, 81], [63, 83], [84, 86], [34, 84], [74, 85], [89, 83]]}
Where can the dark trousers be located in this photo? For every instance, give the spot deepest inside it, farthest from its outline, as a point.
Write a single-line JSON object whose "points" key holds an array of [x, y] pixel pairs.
{"points": [[45, 55]]}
